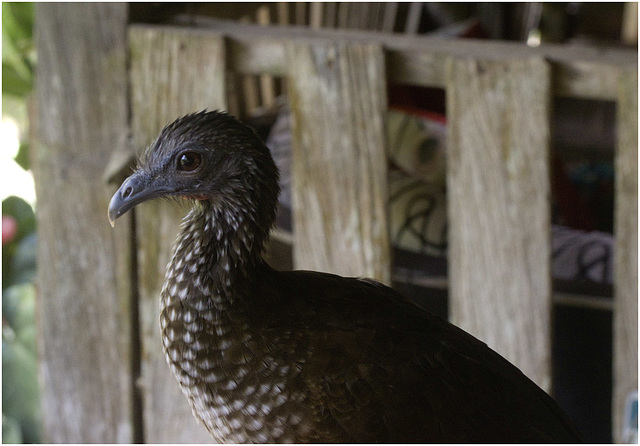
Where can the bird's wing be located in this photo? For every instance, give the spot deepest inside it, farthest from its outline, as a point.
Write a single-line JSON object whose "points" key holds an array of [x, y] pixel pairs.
{"points": [[412, 375]]}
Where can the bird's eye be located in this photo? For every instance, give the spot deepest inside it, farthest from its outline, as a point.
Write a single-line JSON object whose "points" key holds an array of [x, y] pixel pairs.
{"points": [[189, 161]]}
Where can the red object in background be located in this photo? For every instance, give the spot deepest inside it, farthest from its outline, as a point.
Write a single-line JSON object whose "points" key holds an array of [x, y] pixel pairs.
{"points": [[9, 228], [574, 211]]}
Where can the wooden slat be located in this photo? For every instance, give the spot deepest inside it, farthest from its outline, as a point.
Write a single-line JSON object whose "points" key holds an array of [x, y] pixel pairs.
{"points": [[343, 15], [629, 31], [83, 308], [499, 217], [413, 18], [389, 20], [282, 11], [267, 83], [316, 10], [250, 86], [172, 73], [625, 351], [330, 12], [300, 13], [339, 183], [374, 17], [579, 71]]}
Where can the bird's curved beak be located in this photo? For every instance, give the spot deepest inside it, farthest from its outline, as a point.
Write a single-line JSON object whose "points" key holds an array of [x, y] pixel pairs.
{"points": [[136, 189]]}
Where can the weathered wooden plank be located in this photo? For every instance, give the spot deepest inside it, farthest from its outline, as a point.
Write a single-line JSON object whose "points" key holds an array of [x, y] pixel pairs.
{"points": [[579, 71], [338, 100], [267, 83], [499, 216], [389, 16], [413, 18], [625, 316], [83, 309], [172, 73]]}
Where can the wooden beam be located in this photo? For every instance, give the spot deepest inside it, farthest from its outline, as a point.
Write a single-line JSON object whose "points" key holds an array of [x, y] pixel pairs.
{"points": [[339, 170], [625, 315], [83, 282], [172, 74], [267, 83], [498, 192], [413, 19], [579, 71]]}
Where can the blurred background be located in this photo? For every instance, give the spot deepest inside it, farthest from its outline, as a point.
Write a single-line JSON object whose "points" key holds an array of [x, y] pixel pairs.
{"points": [[583, 184], [20, 395]]}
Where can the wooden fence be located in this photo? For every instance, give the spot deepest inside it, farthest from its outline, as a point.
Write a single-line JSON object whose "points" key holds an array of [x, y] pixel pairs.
{"points": [[106, 88]]}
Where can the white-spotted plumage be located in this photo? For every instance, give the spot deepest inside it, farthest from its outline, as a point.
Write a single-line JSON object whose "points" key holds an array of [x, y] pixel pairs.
{"points": [[196, 304], [267, 356]]}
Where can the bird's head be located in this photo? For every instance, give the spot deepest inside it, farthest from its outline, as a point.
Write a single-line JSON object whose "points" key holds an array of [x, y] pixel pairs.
{"points": [[206, 156]]}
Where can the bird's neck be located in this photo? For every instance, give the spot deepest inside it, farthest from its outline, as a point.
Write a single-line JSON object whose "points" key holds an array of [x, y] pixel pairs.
{"points": [[216, 256], [204, 300]]}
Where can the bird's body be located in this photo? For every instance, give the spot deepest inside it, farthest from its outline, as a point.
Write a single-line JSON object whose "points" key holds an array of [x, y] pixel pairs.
{"points": [[270, 356]]}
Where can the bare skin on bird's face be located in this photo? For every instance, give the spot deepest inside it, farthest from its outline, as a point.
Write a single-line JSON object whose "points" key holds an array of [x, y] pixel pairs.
{"points": [[300, 356]]}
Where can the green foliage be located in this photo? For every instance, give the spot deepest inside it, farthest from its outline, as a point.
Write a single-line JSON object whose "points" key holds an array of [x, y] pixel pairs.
{"points": [[18, 256], [18, 53], [21, 417], [22, 158], [18, 65], [11, 432], [20, 391], [23, 213], [20, 396], [18, 310]]}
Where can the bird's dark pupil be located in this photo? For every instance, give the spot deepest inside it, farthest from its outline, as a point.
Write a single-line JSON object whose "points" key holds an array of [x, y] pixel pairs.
{"points": [[189, 161]]}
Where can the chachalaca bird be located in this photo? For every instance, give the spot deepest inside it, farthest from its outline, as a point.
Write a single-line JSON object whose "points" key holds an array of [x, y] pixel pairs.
{"points": [[300, 356]]}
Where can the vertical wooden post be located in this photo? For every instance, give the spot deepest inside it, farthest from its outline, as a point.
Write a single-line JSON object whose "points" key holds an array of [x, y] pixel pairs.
{"points": [[625, 315], [173, 72], [83, 320], [499, 213], [339, 182]]}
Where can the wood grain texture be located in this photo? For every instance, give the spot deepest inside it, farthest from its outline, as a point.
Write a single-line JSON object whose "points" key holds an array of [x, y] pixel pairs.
{"points": [[172, 74], [499, 216], [83, 306], [339, 171], [625, 315], [579, 71]]}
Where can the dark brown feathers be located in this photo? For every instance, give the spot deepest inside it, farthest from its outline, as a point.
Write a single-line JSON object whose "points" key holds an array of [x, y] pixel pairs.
{"points": [[269, 356]]}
